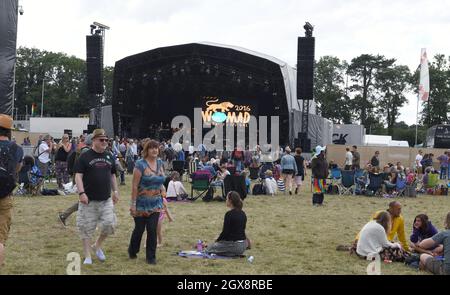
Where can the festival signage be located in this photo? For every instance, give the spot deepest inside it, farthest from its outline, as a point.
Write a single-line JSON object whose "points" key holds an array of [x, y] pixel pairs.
{"points": [[217, 110]]}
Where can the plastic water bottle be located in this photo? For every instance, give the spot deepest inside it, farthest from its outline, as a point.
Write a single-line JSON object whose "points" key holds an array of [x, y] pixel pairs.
{"points": [[199, 245], [250, 259]]}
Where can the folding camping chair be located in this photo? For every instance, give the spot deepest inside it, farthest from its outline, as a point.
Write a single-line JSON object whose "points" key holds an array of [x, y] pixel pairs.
{"points": [[375, 183], [400, 187], [359, 173], [433, 182], [335, 175], [347, 182], [201, 181]]}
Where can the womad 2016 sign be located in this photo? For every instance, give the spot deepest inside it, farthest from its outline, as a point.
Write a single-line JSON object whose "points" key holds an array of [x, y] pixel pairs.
{"points": [[217, 112]]}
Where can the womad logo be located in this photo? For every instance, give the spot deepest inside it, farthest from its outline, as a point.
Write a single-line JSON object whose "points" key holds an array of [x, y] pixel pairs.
{"points": [[215, 138], [225, 112]]}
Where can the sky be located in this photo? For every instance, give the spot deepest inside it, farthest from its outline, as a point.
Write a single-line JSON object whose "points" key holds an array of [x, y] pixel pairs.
{"points": [[343, 28]]}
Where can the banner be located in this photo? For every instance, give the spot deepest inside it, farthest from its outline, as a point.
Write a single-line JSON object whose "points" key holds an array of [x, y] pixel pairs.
{"points": [[8, 37], [424, 84]]}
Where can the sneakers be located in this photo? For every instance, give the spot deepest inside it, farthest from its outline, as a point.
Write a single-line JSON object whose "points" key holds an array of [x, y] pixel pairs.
{"points": [[62, 219], [99, 253], [87, 261], [343, 248]]}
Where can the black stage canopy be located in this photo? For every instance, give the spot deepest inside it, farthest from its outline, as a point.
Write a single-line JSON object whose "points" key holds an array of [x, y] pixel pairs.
{"points": [[153, 87]]}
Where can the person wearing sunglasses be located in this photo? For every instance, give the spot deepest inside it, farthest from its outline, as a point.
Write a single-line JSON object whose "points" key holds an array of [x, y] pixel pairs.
{"points": [[95, 178]]}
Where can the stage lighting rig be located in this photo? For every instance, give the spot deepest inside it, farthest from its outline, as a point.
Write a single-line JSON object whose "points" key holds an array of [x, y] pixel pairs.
{"points": [[308, 29]]}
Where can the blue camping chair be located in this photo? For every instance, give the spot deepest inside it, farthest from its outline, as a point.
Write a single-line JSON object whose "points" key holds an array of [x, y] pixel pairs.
{"points": [[375, 183], [400, 187], [347, 182]]}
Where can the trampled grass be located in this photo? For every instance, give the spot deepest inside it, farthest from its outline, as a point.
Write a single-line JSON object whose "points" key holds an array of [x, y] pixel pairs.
{"points": [[289, 236]]}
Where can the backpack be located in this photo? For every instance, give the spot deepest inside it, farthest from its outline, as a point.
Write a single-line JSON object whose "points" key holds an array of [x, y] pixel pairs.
{"points": [[209, 195], [258, 189], [7, 169]]}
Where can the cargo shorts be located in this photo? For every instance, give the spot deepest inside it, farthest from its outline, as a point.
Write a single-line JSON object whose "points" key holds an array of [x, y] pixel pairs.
{"points": [[96, 213], [6, 206]]}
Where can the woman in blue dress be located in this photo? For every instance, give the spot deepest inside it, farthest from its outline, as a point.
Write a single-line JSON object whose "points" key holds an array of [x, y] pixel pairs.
{"points": [[147, 200]]}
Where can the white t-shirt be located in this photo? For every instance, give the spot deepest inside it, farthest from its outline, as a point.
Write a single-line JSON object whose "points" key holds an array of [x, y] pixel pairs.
{"points": [[175, 187], [419, 158], [348, 158], [44, 156], [372, 239], [271, 186], [134, 149]]}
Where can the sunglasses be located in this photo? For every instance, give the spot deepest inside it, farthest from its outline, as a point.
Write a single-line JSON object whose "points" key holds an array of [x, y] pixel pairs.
{"points": [[103, 139]]}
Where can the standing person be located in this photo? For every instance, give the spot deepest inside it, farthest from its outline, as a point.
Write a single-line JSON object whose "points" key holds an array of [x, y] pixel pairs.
{"points": [[443, 160], [165, 211], [432, 264], [301, 169], [375, 161], [419, 158], [81, 142], [96, 178], [147, 200], [348, 159], [319, 168], [232, 241], [288, 169], [45, 149], [356, 158], [62, 151], [10, 163], [62, 216]]}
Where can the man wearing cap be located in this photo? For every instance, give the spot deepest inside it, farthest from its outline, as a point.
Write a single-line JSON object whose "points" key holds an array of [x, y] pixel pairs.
{"points": [[95, 178], [319, 169], [10, 163]]}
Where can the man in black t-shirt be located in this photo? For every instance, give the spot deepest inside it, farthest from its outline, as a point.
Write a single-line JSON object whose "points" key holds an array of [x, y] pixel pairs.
{"points": [[95, 178]]}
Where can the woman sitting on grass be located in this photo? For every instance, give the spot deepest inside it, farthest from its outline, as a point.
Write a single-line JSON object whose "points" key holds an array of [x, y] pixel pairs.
{"points": [[422, 229], [232, 241], [373, 240]]}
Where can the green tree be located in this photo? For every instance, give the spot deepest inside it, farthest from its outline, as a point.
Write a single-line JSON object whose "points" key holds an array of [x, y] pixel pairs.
{"points": [[363, 71], [329, 90], [391, 85], [65, 83]]}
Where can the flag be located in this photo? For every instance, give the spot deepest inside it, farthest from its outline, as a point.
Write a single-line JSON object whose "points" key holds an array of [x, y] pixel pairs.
{"points": [[33, 109], [424, 84]]}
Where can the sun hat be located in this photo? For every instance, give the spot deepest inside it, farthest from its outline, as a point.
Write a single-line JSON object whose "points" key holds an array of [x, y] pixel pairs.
{"points": [[320, 149], [99, 133], [6, 122]]}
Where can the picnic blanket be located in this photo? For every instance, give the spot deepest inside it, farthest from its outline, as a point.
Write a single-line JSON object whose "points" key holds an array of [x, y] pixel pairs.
{"points": [[204, 255]]}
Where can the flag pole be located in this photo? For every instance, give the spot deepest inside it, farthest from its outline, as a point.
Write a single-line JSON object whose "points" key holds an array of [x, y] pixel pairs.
{"points": [[417, 118]]}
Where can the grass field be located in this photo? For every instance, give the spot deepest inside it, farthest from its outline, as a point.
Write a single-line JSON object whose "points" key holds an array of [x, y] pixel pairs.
{"points": [[289, 235]]}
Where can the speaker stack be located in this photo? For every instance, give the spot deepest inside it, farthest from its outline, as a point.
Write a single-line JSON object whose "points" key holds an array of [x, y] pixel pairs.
{"points": [[94, 63]]}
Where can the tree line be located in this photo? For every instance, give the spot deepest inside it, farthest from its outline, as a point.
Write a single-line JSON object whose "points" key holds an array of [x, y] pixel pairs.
{"points": [[65, 84], [371, 90]]}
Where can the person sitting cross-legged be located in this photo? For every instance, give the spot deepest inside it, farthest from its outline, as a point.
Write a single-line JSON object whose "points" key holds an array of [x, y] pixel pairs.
{"points": [[434, 263]]}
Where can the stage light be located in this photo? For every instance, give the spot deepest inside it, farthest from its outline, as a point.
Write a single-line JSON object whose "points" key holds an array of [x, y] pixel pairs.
{"points": [[208, 70], [308, 29], [249, 77]]}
